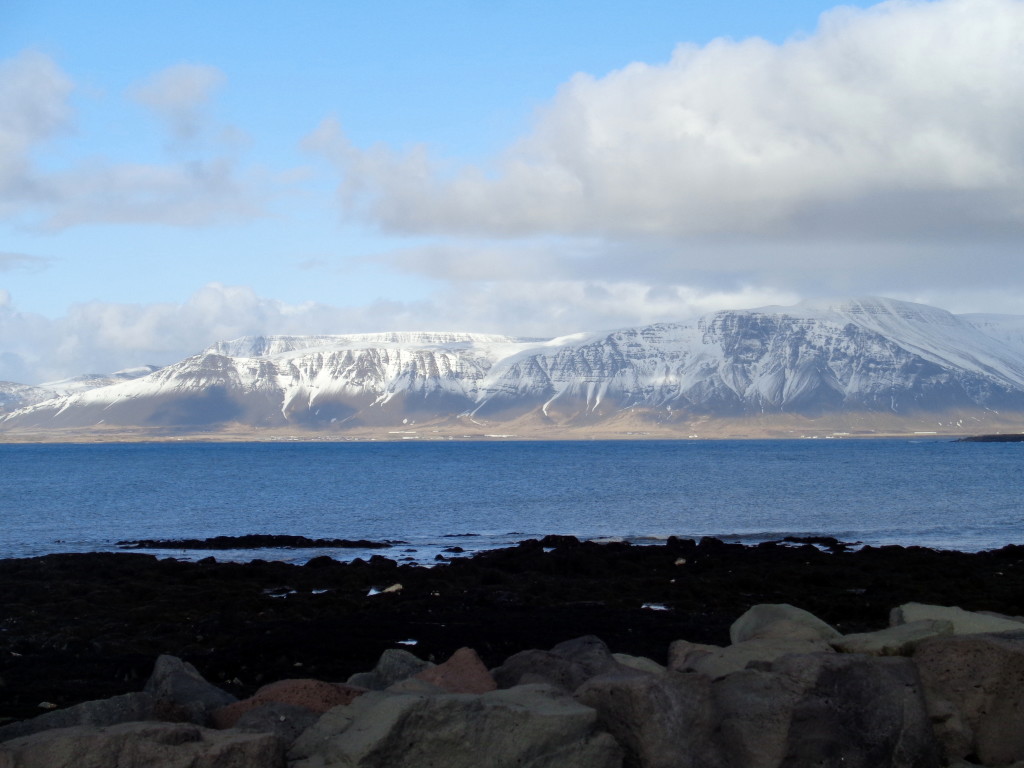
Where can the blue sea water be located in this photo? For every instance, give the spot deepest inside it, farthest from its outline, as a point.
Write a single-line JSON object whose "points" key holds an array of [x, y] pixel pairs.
{"points": [[481, 495]]}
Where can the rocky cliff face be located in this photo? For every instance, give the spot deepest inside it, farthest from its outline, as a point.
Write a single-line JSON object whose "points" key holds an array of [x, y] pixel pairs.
{"points": [[865, 355]]}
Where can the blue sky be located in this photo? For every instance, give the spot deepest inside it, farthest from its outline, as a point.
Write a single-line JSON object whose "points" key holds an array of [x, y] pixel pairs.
{"points": [[175, 174]]}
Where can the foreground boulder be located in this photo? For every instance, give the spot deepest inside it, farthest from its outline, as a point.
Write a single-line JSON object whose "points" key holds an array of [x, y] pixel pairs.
{"points": [[718, 662], [818, 709], [843, 710], [135, 745], [464, 672], [899, 640], [531, 725], [975, 690], [394, 665], [566, 666], [780, 621], [661, 721], [178, 687], [128, 707], [964, 622], [311, 695]]}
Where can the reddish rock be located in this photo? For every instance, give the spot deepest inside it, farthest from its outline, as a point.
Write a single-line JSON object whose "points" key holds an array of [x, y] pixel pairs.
{"points": [[464, 672], [313, 695]]}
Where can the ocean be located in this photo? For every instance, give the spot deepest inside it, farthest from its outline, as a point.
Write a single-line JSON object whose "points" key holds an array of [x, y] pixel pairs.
{"points": [[427, 497]]}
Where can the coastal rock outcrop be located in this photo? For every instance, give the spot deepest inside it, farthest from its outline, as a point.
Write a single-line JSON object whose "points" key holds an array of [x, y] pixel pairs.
{"points": [[790, 691]]}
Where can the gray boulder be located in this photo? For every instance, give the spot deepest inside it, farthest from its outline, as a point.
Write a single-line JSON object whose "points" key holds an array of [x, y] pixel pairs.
{"points": [[974, 685], [661, 721], [142, 745], [780, 621], [718, 662], [285, 721], [964, 622], [640, 663], [526, 727], [590, 653], [900, 640], [566, 666], [118, 709], [825, 709], [183, 693], [821, 709], [394, 665], [540, 667]]}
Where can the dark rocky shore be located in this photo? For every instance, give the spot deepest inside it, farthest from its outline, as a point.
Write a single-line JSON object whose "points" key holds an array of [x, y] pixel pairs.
{"points": [[79, 627]]}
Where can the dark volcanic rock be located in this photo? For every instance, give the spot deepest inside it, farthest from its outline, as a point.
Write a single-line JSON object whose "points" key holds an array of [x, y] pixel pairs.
{"points": [[82, 627]]}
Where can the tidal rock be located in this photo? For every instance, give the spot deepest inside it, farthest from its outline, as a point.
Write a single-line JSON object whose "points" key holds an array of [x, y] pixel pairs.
{"points": [[117, 709], [532, 726], [900, 640], [780, 621], [312, 695], [964, 622], [178, 686], [975, 690], [463, 672], [395, 664], [143, 745]]}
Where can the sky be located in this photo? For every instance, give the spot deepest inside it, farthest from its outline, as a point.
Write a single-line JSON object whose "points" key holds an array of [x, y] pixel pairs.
{"points": [[175, 174]]}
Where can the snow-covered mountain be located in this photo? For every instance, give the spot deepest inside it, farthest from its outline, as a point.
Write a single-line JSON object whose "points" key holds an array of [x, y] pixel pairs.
{"points": [[96, 380], [14, 396], [867, 355]]}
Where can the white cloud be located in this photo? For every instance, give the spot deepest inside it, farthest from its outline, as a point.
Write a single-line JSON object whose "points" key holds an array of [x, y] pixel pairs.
{"points": [[34, 93], [179, 94], [101, 337], [193, 191], [887, 123]]}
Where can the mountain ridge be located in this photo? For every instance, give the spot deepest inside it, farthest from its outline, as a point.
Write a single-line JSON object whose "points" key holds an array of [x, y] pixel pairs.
{"points": [[817, 360]]}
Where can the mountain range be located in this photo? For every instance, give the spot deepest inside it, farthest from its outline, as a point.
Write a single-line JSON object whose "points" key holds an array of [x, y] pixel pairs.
{"points": [[867, 365]]}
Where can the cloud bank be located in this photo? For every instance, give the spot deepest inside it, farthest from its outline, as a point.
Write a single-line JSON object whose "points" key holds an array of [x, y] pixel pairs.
{"points": [[899, 121], [100, 337]]}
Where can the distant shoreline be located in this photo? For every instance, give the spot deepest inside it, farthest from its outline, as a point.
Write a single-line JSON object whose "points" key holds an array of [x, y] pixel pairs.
{"points": [[282, 436], [627, 425]]}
